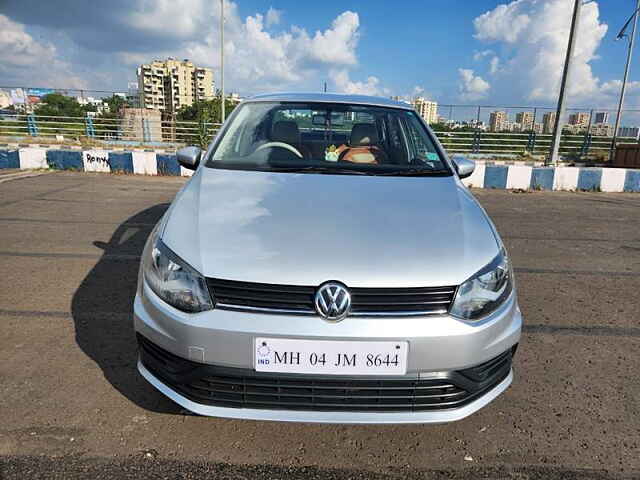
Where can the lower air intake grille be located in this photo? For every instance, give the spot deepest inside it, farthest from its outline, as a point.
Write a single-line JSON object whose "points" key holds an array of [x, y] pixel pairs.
{"points": [[245, 388]]}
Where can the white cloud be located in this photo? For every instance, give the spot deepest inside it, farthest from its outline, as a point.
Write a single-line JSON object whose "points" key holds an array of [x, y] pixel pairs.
{"points": [[337, 44], [344, 84], [480, 55], [24, 60], [613, 87], [494, 65], [257, 60], [494, 62], [260, 53], [533, 34], [273, 16], [472, 87]]}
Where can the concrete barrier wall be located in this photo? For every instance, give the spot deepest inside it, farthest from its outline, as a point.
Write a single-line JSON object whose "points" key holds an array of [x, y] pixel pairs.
{"points": [[517, 175], [555, 178]]}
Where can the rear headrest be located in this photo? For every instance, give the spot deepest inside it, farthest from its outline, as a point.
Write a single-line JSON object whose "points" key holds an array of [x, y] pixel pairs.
{"points": [[286, 131], [363, 134]]}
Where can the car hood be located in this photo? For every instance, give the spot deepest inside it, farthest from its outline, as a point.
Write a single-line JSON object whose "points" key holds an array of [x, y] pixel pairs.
{"points": [[306, 229]]}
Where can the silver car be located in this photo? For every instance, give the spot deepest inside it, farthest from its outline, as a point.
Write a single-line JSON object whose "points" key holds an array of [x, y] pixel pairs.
{"points": [[325, 263]]}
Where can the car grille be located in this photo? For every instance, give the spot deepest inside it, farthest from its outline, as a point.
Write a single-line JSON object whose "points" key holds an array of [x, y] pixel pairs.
{"points": [[245, 388], [290, 299]]}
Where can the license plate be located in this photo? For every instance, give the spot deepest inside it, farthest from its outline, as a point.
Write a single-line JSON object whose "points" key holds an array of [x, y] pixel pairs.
{"points": [[328, 357]]}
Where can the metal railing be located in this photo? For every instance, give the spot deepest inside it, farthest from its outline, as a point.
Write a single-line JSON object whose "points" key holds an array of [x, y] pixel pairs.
{"points": [[140, 130], [120, 130], [584, 146]]}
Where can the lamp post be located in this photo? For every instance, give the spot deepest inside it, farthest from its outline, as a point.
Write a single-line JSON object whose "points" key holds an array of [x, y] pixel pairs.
{"points": [[557, 129], [222, 102], [632, 39]]}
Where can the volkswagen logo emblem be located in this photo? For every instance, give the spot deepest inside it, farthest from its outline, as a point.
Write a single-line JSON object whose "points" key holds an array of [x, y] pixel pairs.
{"points": [[333, 301]]}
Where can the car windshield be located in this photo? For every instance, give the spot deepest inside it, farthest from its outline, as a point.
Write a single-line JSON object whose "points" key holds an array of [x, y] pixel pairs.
{"points": [[327, 138]]}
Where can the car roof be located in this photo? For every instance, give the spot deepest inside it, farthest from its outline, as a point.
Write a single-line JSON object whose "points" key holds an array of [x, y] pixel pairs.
{"points": [[330, 98]]}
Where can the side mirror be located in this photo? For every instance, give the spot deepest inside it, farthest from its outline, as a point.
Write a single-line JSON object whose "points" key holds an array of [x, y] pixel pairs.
{"points": [[464, 166], [189, 157]]}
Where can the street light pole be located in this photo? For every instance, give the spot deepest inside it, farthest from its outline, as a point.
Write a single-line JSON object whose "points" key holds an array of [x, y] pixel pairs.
{"points": [[557, 129], [222, 102], [626, 76]]}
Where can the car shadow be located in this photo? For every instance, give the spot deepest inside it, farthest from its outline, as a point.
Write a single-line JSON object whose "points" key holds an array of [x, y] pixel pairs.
{"points": [[102, 309]]}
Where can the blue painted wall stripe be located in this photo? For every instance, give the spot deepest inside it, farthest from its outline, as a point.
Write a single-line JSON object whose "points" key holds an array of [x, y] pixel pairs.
{"points": [[632, 181], [589, 179], [168, 165], [542, 178], [495, 176], [9, 159], [121, 162], [65, 160]]}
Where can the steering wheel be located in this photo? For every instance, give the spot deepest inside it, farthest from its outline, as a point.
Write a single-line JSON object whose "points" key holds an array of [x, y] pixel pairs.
{"points": [[286, 146]]}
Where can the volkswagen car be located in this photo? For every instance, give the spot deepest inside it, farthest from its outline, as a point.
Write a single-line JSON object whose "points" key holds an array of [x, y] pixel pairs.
{"points": [[325, 263]]}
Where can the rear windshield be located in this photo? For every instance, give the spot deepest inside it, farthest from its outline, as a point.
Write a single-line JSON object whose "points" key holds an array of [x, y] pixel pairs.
{"points": [[327, 138]]}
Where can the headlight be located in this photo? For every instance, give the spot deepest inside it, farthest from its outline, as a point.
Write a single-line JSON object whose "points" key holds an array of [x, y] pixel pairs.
{"points": [[173, 280], [485, 291]]}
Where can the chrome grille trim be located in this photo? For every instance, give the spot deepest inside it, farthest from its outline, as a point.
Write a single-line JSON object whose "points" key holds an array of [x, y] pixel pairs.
{"points": [[313, 313]]}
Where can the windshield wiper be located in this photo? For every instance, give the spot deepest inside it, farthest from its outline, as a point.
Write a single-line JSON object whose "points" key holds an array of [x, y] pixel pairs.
{"points": [[317, 169], [411, 172]]}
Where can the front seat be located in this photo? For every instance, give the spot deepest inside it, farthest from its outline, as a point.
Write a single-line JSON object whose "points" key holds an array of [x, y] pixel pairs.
{"points": [[286, 131], [363, 146]]}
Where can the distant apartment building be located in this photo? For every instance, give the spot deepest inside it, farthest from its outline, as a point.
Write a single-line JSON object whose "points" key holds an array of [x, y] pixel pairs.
{"points": [[538, 127], [579, 119], [525, 119], [426, 109], [629, 132], [133, 94], [514, 127], [601, 117], [234, 98], [601, 130], [171, 84], [498, 121], [548, 122], [97, 103]]}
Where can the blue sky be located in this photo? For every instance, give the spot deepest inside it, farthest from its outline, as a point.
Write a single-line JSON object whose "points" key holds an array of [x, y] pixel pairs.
{"points": [[423, 43], [455, 51]]}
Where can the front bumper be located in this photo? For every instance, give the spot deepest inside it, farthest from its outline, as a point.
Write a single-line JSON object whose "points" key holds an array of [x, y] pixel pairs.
{"points": [[244, 393], [439, 346]]}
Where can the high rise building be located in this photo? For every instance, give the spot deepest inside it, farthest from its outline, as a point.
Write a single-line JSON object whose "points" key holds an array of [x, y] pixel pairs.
{"points": [[172, 84], [525, 119], [548, 122], [629, 132], [580, 119], [426, 109], [133, 94], [498, 121], [601, 130], [601, 117]]}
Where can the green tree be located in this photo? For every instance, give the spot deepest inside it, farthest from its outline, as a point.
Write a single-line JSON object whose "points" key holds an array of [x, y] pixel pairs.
{"points": [[115, 102], [204, 112], [56, 104]]}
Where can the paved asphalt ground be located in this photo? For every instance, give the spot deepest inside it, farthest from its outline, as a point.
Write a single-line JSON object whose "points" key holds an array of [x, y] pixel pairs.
{"points": [[72, 404]]}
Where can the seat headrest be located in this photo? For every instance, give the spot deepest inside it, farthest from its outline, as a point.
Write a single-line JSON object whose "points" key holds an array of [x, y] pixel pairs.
{"points": [[364, 134], [286, 131]]}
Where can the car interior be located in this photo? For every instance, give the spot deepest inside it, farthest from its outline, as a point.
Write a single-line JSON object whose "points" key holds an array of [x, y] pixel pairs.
{"points": [[338, 134], [362, 144]]}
